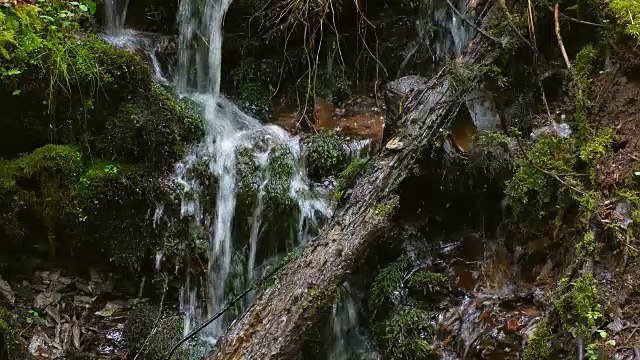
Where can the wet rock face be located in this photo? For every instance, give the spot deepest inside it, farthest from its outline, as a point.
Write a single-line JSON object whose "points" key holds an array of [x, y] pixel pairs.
{"points": [[465, 287]]}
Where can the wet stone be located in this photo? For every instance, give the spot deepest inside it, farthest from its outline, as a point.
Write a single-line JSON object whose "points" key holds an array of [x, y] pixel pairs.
{"points": [[113, 308], [6, 293], [83, 301], [39, 345], [53, 312], [46, 298]]}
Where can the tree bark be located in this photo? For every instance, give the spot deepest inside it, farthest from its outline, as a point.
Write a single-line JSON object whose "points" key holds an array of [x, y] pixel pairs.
{"points": [[287, 313]]}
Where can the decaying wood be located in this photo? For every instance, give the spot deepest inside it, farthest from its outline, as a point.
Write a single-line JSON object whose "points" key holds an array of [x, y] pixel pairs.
{"points": [[287, 314]]}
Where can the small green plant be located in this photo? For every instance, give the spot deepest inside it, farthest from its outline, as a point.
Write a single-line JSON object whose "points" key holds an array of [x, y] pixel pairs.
{"points": [[579, 308], [626, 13], [32, 316], [533, 185], [588, 245], [428, 279], [594, 347], [408, 336], [386, 283], [389, 208]]}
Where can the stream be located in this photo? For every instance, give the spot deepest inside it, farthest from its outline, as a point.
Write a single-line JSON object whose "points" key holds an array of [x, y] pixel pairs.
{"points": [[236, 259]]}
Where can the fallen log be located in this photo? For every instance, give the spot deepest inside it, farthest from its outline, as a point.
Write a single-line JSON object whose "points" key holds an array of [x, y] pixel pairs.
{"points": [[287, 314]]}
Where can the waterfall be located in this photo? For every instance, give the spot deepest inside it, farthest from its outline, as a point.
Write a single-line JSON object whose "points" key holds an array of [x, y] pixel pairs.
{"points": [[116, 14], [232, 264]]}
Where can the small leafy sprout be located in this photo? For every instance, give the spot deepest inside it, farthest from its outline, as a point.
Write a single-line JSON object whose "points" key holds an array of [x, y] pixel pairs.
{"points": [[32, 316]]}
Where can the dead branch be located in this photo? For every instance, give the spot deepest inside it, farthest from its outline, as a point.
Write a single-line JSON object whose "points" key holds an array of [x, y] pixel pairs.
{"points": [[556, 16], [569, 18]]}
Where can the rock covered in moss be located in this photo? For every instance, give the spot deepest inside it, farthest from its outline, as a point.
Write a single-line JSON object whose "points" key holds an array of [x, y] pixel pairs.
{"points": [[36, 192], [326, 154], [153, 334], [54, 86], [152, 128]]}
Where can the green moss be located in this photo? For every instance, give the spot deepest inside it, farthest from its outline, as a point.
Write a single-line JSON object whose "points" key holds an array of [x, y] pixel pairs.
{"points": [[579, 308], [346, 179], [408, 336], [326, 155], [538, 346], [8, 329], [532, 188], [51, 163], [386, 283], [626, 13]]}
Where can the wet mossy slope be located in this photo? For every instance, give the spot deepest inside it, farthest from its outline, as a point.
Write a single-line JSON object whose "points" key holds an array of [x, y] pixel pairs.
{"points": [[86, 137]]}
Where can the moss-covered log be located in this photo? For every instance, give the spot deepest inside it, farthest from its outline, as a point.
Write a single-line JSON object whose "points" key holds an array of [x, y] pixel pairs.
{"points": [[287, 314]]}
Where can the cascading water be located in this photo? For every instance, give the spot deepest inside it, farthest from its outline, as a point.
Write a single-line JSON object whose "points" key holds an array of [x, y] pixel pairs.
{"points": [[452, 43], [116, 13], [228, 132], [234, 260]]}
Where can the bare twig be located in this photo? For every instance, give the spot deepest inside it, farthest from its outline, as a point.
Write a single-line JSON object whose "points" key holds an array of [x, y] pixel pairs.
{"points": [[556, 16], [155, 324], [566, 17], [457, 12]]}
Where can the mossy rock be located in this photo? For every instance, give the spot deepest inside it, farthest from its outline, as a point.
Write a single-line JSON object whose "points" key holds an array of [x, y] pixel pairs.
{"points": [[56, 87], [326, 154], [114, 200], [160, 331], [152, 129], [97, 212], [37, 192]]}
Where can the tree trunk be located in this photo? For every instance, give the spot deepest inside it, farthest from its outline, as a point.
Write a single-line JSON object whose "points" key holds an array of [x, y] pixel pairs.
{"points": [[286, 315]]}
